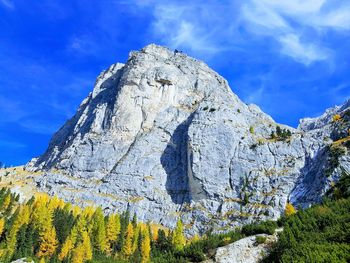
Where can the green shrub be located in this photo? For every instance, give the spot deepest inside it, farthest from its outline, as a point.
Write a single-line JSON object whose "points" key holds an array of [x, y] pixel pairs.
{"points": [[318, 234], [266, 227], [281, 134], [334, 153], [260, 239]]}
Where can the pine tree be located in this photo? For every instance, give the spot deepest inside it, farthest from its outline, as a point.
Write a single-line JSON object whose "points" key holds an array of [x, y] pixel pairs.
{"points": [[127, 248], [20, 217], [163, 242], [29, 241], [135, 239], [145, 246], [21, 236], [134, 221], [178, 236], [124, 222], [99, 231], [63, 221]]}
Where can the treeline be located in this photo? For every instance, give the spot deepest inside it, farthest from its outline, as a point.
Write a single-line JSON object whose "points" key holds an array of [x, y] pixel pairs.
{"points": [[46, 229], [50, 230], [320, 233]]}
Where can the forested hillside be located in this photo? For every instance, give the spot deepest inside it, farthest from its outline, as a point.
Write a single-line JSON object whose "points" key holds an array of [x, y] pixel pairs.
{"points": [[46, 229], [49, 230], [320, 233]]}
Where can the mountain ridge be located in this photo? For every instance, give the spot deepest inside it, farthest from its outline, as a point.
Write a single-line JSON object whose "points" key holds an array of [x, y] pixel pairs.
{"points": [[165, 136]]}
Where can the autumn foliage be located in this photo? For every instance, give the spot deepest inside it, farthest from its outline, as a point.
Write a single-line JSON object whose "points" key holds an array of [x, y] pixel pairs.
{"points": [[50, 230], [290, 210]]}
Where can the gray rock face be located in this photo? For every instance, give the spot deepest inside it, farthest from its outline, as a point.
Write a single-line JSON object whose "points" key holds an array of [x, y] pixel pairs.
{"points": [[164, 136], [245, 250], [23, 260]]}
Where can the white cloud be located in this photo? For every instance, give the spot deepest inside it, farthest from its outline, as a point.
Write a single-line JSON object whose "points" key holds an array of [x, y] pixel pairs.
{"points": [[290, 24], [256, 96], [305, 53], [338, 19], [297, 26], [7, 3], [82, 44], [179, 28], [261, 15]]}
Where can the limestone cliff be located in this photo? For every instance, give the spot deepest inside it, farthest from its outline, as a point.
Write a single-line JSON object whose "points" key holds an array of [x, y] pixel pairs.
{"points": [[164, 136]]}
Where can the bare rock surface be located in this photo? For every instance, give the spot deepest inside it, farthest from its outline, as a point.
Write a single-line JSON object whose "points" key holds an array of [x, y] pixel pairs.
{"points": [[245, 250], [23, 260], [164, 136]]}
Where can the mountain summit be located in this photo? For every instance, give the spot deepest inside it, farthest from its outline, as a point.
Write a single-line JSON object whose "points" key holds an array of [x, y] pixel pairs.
{"points": [[164, 136]]}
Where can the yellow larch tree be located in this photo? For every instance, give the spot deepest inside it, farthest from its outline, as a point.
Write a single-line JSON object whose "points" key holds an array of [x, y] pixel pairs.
{"points": [[99, 231], [48, 243], [88, 212], [145, 246], [55, 202], [154, 231], [290, 210], [178, 236], [78, 254], [127, 248], [2, 225], [112, 230], [66, 249], [86, 244], [22, 218], [7, 202]]}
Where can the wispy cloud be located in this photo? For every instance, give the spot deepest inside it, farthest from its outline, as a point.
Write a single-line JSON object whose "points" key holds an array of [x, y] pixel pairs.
{"points": [[181, 29], [82, 44], [296, 26], [11, 144], [8, 4], [305, 53]]}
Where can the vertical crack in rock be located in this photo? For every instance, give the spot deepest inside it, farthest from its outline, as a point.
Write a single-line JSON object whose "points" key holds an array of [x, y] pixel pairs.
{"points": [[230, 174]]}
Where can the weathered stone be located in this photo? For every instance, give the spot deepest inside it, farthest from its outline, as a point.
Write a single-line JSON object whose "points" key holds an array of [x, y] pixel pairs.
{"points": [[23, 260], [164, 136]]}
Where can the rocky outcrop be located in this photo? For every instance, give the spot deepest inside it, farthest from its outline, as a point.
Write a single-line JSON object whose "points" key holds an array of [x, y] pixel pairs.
{"points": [[164, 136], [23, 260], [245, 250]]}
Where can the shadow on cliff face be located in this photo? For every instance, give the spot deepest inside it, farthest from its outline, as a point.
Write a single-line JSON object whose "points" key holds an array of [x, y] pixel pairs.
{"points": [[175, 163], [311, 184], [64, 137]]}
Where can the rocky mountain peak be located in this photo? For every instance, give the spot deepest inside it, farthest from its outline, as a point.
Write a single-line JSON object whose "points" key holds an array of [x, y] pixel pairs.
{"points": [[164, 136]]}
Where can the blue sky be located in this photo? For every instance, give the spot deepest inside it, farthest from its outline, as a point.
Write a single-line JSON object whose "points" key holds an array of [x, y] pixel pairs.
{"points": [[289, 57]]}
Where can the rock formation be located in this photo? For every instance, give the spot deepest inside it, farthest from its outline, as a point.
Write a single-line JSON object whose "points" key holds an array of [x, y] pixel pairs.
{"points": [[164, 136], [245, 250]]}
